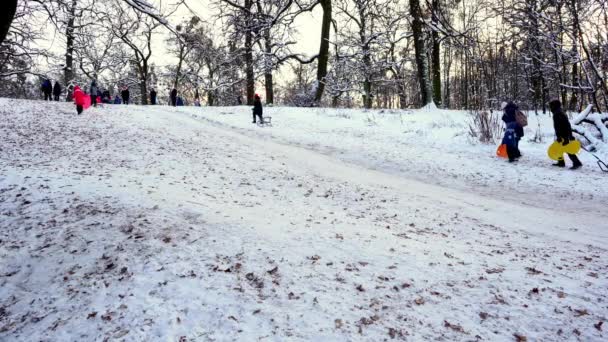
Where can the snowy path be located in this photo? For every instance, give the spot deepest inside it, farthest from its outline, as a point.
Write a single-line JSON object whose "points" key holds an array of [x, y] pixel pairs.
{"points": [[152, 225], [432, 147]]}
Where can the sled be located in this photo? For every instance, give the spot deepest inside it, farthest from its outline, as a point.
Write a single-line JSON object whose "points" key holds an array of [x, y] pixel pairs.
{"points": [[573, 147], [600, 163], [86, 102], [502, 151], [266, 121], [556, 150]]}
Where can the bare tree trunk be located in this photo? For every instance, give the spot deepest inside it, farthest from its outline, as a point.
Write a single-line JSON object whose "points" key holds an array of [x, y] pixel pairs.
{"points": [[595, 71], [436, 57], [210, 93], [402, 97], [180, 62], [323, 50], [143, 81], [420, 49], [466, 81], [249, 74], [268, 80], [575, 77], [448, 58], [6, 17], [68, 73]]}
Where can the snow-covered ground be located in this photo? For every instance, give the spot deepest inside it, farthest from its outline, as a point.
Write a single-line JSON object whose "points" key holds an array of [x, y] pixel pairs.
{"points": [[192, 224]]}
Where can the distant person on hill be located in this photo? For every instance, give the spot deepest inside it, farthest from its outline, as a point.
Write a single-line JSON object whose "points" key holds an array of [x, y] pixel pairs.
{"points": [[70, 93], [106, 97], [125, 95], [152, 97], [179, 102], [563, 133], [173, 97], [117, 99], [57, 90], [510, 119], [47, 90], [257, 108], [93, 92]]}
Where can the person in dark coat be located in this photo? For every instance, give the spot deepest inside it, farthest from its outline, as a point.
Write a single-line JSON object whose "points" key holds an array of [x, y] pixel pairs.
{"points": [[57, 90], [173, 97], [125, 95], [47, 90], [509, 116], [117, 100], [563, 133], [93, 91], [510, 140], [69, 97], [106, 97], [257, 109], [152, 97]]}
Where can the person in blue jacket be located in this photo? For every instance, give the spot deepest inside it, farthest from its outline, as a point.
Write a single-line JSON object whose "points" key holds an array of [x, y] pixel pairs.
{"points": [[509, 117], [47, 90], [510, 140]]}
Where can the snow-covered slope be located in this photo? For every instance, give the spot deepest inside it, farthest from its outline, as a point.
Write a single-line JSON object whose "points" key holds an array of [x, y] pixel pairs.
{"points": [[154, 223]]}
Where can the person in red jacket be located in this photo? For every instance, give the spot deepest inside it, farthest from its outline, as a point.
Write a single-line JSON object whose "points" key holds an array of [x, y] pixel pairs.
{"points": [[79, 99]]}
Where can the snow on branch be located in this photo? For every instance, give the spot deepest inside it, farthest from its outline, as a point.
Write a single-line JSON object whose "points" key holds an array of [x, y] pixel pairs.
{"points": [[599, 135], [145, 7]]}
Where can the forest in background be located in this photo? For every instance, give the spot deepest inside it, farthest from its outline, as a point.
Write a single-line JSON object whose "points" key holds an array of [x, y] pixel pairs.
{"points": [[456, 54]]}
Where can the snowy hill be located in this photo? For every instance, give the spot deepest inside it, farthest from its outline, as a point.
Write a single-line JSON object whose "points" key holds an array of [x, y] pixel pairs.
{"points": [[192, 224]]}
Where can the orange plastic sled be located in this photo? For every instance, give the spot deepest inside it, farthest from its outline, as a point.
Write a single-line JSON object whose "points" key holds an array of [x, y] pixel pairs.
{"points": [[502, 151]]}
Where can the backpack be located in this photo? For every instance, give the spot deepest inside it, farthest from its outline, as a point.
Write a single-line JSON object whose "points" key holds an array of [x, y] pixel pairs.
{"points": [[521, 119]]}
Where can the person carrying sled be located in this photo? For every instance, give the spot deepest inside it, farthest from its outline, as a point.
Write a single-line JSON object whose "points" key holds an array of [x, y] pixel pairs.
{"points": [[257, 109], [57, 90], [563, 133], [510, 118], [93, 92], [125, 95]]}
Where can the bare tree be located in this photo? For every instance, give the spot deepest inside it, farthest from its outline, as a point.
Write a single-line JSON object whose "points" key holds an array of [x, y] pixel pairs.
{"points": [[420, 49]]}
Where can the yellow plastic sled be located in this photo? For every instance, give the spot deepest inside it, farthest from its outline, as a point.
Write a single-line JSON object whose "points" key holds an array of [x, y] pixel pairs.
{"points": [[557, 150]]}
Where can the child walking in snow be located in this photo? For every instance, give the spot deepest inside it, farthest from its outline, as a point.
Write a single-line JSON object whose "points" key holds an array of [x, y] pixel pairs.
{"points": [[563, 133], [79, 99], [515, 132], [510, 140]]}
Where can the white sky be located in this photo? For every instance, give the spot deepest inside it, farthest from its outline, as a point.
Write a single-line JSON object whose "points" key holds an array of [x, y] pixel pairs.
{"points": [[307, 27]]}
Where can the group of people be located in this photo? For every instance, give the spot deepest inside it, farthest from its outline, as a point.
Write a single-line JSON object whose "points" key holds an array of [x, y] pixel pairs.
{"points": [[98, 96], [515, 121], [51, 92]]}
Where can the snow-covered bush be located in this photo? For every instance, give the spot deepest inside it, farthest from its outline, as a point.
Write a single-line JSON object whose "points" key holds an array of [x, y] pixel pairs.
{"points": [[592, 129], [485, 127]]}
